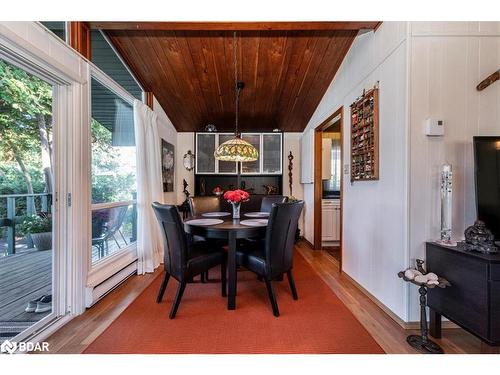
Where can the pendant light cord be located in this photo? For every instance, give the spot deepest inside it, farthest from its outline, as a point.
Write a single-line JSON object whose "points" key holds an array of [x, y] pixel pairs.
{"points": [[236, 86]]}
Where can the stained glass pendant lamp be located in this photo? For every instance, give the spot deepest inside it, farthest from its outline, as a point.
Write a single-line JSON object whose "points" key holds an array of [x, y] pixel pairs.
{"points": [[236, 149]]}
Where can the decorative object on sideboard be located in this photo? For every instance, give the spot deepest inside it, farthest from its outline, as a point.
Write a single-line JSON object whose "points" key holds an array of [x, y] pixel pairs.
{"points": [[167, 165], [236, 197], [210, 128], [217, 191], [446, 205], [365, 137], [188, 161], [423, 280], [185, 190], [203, 186], [290, 173], [479, 238], [184, 206], [270, 189], [488, 80]]}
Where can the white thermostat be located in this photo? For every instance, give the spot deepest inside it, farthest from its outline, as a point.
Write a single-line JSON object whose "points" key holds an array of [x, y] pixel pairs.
{"points": [[434, 127]]}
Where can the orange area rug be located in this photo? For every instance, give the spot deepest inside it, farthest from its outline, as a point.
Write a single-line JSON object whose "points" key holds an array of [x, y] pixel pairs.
{"points": [[317, 323]]}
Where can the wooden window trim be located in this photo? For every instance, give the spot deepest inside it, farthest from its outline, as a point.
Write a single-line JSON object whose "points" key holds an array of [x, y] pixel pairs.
{"points": [[79, 38]]}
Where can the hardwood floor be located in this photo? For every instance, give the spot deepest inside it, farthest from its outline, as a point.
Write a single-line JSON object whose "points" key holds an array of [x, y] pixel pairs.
{"points": [[333, 251], [81, 331], [75, 336], [388, 334]]}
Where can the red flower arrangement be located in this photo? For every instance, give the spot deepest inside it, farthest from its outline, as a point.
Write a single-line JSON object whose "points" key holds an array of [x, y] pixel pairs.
{"points": [[236, 196]]}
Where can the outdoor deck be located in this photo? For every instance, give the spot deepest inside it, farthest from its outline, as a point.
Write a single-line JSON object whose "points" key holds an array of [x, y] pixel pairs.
{"points": [[24, 276]]}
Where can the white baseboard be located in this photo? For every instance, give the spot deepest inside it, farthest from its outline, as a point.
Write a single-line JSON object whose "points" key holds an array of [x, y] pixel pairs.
{"points": [[406, 325], [95, 293]]}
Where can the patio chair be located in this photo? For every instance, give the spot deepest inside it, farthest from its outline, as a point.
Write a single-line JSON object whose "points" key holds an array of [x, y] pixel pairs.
{"points": [[106, 229]]}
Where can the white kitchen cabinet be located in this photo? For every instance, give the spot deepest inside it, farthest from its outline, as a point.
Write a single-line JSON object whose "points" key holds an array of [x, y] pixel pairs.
{"points": [[307, 157], [330, 220], [252, 167], [206, 144], [205, 147], [269, 146], [271, 153]]}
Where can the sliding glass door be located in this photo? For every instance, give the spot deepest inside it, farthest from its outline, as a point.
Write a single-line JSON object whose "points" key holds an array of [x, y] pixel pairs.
{"points": [[27, 225], [114, 216]]}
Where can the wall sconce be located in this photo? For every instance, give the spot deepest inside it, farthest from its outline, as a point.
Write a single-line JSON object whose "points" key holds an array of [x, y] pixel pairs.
{"points": [[188, 161]]}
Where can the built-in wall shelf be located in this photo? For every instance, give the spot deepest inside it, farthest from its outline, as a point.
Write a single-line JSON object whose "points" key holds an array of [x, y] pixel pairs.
{"points": [[365, 137]]}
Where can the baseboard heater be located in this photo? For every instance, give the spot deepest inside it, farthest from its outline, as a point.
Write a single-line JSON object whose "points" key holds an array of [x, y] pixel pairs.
{"points": [[97, 292]]}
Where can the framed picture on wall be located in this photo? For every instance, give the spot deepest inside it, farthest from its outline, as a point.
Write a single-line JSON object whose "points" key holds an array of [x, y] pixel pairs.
{"points": [[167, 165]]}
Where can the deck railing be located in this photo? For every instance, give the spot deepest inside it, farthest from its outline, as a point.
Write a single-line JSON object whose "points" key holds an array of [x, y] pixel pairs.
{"points": [[11, 218]]}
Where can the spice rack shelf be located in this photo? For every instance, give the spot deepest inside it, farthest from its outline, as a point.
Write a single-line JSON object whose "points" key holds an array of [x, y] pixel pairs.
{"points": [[365, 137]]}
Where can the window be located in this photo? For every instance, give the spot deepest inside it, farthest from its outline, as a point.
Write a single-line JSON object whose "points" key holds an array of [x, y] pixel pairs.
{"points": [[114, 221], [57, 27], [105, 57]]}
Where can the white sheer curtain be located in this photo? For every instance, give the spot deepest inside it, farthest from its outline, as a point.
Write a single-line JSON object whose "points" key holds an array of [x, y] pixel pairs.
{"points": [[149, 188]]}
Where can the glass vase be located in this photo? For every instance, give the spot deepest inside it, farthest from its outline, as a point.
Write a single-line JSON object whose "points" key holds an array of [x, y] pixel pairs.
{"points": [[236, 210], [446, 202]]}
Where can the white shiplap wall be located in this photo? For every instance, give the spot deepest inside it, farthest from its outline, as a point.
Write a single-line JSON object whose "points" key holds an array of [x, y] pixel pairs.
{"points": [[425, 69], [374, 213], [448, 60]]}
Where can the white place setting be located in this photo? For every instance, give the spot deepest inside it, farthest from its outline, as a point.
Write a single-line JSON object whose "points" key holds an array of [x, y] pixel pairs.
{"points": [[216, 214], [257, 214], [254, 222], [204, 221]]}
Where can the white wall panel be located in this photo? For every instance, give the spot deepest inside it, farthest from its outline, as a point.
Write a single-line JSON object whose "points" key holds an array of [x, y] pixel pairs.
{"points": [[448, 60], [375, 212], [185, 142]]}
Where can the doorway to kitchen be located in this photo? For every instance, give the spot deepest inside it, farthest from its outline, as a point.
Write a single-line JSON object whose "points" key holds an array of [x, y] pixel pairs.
{"points": [[328, 186]]}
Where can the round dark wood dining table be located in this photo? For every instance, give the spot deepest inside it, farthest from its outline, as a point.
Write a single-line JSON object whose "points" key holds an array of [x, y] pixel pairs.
{"points": [[232, 230]]}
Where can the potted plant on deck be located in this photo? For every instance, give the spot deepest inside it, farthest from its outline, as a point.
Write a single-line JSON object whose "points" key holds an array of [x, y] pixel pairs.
{"points": [[39, 228]]}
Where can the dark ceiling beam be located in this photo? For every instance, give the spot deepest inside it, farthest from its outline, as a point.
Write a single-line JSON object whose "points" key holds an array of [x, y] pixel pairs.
{"points": [[240, 26]]}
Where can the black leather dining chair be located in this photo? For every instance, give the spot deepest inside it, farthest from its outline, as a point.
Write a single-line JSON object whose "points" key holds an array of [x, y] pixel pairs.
{"points": [[267, 202], [201, 205], [271, 258], [198, 206], [184, 259]]}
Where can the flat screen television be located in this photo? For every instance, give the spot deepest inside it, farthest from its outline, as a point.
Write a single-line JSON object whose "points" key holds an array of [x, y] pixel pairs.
{"points": [[487, 179]]}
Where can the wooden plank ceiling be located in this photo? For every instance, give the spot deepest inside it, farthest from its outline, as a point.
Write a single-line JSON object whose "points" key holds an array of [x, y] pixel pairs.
{"points": [[191, 71]]}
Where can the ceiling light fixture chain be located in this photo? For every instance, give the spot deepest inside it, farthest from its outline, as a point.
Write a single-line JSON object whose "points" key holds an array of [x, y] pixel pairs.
{"points": [[236, 149], [237, 84], [237, 98]]}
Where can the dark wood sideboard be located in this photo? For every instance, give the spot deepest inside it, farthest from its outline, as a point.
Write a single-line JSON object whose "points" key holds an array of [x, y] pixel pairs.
{"points": [[473, 300]]}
